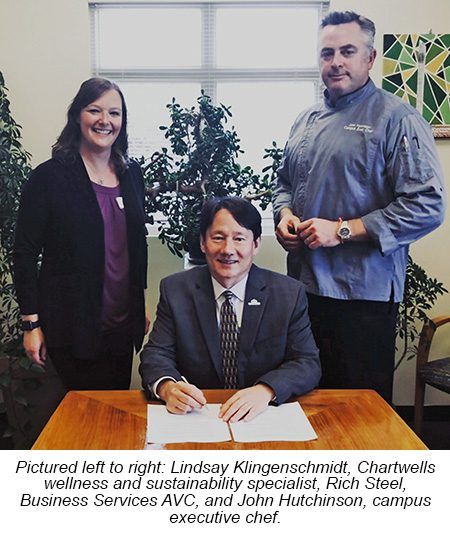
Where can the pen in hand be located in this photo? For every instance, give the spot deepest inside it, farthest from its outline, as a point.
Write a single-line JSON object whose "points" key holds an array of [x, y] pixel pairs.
{"points": [[202, 405]]}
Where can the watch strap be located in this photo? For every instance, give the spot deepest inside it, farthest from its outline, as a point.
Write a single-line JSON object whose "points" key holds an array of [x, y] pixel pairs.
{"points": [[27, 326]]}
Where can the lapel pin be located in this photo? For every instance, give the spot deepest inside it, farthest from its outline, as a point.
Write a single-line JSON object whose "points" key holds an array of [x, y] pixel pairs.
{"points": [[254, 302]]}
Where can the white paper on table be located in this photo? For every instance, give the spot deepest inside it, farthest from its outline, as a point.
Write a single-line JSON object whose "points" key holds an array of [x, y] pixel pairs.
{"points": [[286, 422], [203, 425]]}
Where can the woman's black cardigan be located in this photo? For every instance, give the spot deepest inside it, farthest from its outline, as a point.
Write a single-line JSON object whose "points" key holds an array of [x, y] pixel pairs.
{"points": [[59, 217]]}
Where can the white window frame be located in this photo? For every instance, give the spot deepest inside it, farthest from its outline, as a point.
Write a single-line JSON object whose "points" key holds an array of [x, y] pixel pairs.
{"points": [[207, 75]]}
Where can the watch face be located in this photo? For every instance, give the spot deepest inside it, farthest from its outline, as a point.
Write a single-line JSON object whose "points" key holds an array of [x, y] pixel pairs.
{"points": [[344, 232]]}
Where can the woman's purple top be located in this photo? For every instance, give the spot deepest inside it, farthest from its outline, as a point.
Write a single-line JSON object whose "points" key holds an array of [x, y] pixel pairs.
{"points": [[115, 305]]}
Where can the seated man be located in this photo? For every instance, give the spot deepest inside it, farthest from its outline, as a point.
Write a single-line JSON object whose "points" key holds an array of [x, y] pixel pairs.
{"points": [[230, 324]]}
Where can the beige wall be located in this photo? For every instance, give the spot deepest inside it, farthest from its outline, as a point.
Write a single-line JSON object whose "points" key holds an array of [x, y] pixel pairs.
{"points": [[44, 56]]}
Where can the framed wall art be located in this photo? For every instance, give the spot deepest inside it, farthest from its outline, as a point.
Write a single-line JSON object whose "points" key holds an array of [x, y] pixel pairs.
{"points": [[416, 68]]}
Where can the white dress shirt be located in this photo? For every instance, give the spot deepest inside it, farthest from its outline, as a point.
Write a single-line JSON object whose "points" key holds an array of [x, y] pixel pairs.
{"points": [[238, 304], [237, 300]]}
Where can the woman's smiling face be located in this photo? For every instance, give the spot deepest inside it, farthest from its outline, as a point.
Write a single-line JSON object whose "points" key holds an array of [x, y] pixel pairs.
{"points": [[100, 122]]}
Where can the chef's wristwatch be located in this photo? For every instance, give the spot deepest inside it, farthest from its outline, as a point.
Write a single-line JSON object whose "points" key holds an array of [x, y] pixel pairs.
{"points": [[344, 231]]}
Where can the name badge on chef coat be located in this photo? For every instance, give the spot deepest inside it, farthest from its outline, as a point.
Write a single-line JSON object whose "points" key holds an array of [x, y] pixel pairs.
{"points": [[119, 201]]}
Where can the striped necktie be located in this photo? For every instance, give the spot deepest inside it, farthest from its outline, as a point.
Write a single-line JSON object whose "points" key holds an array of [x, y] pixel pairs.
{"points": [[229, 339]]}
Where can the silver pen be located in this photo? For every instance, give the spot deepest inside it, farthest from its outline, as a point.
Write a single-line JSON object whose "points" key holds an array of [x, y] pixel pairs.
{"points": [[405, 143], [183, 378]]}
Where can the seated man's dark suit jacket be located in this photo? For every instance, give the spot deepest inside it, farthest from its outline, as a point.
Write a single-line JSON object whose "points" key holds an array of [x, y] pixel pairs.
{"points": [[276, 346]]}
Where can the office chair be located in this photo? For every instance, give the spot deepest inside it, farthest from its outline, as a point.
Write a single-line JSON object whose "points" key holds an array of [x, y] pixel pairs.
{"points": [[436, 373]]}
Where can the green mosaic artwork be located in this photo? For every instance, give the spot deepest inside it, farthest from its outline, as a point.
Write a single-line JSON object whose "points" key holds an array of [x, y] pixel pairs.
{"points": [[420, 75]]}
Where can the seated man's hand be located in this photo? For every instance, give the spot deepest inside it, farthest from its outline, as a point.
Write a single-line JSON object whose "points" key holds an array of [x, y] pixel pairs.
{"points": [[246, 403], [181, 397]]}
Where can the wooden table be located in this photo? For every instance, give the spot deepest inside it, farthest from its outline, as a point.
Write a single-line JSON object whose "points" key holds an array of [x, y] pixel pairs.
{"points": [[342, 419]]}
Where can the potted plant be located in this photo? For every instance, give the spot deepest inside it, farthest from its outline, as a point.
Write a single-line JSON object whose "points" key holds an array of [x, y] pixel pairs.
{"points": [[23, 393], [421, 292], [202, 163], [14, 169]]}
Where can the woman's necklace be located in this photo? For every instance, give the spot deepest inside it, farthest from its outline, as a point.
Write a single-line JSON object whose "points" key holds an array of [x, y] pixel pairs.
{"points": [[94, 176]]}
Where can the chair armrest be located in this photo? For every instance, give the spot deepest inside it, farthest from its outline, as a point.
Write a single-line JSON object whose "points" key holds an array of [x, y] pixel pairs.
{"points": [[441, 320], [426, 337]]}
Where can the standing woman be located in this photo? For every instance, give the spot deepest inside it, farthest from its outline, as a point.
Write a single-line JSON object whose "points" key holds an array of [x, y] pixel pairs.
{"points": [[80, 254]]}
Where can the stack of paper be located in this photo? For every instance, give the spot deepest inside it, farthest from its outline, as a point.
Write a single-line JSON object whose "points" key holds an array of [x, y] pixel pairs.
{"points": [[287, 422], [202, 425]]}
